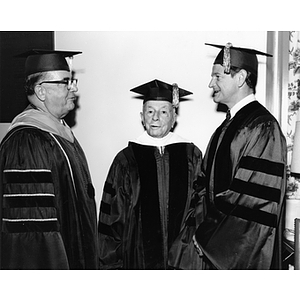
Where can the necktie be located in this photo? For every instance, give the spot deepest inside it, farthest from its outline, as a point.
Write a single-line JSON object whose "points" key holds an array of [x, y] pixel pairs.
{"points": [[228, 115], [227, 119]]}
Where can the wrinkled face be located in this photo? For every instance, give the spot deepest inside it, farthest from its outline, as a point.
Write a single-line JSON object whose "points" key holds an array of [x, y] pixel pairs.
{"points": [[59, 98], [225, 87], [158, 117]]}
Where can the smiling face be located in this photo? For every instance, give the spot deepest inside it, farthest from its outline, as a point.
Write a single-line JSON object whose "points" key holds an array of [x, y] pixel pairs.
{"points": [[58, 100], [158, 118], [225, 87]]}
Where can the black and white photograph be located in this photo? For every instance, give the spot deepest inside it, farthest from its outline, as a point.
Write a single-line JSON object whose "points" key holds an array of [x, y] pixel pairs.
{"points": [[148, 143]]}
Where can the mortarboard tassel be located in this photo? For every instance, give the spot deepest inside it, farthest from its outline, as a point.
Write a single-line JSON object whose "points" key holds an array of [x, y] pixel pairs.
{"points": [[226, 58], [175, 101], [70, 62]]}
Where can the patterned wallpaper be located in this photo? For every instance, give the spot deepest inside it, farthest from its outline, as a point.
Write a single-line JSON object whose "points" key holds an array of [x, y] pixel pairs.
{"points": [[293, 189]]}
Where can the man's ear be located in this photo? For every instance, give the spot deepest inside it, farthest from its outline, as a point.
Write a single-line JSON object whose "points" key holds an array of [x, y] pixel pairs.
{"points": [[242, 76], [174, 117], [40, 92], [142, 118]]}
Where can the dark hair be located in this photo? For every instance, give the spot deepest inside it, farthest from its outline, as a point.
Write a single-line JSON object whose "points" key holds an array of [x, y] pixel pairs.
{"points": [[251, 79], [30, 82]]}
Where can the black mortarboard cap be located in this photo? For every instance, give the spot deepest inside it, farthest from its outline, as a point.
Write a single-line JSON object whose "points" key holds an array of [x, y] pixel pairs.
{"points": [[159, 90], [40, 60], [237, 57]]}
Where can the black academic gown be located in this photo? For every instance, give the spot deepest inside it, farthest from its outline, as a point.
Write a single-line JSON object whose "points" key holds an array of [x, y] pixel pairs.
{"points": [[48, 208], [145, 205], [246, 182]]}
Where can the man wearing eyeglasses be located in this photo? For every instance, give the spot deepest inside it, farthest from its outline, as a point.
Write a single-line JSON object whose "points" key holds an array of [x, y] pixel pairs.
{"points": [[47, 204]]}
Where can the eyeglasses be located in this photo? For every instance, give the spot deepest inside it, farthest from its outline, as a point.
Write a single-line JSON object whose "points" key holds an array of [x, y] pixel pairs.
{"points": [[68, 82]]}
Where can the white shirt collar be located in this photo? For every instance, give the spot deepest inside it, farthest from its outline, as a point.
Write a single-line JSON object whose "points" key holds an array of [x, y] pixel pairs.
{"points": [[250, 98], [170, 138]]}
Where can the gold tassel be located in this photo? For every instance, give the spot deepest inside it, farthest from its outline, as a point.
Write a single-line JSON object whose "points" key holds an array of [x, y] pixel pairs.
{"points": [[175, 101], [226, 58]]}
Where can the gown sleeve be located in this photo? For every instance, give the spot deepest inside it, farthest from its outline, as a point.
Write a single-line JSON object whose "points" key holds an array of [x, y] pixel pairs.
{"points": [[113, 207], [183, 254], [240, 233], [30, 228]]}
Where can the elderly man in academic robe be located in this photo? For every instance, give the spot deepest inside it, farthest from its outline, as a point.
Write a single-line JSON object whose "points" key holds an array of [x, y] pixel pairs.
{"points": [[147, 216], [49, 218]]}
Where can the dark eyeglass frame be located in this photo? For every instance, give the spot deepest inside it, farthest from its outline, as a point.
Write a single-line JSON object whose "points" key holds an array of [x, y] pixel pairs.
{"points": [[68, 82]]}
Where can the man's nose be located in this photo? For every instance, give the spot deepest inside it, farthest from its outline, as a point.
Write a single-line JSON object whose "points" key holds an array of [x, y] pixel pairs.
{"points": [[155, 116], [211, 83], [74, 87]]}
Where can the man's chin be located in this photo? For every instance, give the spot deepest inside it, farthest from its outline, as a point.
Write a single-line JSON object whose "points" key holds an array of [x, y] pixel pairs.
{"points": [[156, 135], [71, 106], [216, 99]]}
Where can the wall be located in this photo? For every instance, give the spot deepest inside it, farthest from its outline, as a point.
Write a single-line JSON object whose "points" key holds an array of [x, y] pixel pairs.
{"points": [[114, 62], [12, 43]]}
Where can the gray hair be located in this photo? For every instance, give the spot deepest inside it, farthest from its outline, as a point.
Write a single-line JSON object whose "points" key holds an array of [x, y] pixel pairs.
{"points": [[32, 80]]}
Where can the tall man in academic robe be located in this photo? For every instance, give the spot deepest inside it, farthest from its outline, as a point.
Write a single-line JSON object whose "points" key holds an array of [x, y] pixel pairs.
{"points": [[245, 169]]}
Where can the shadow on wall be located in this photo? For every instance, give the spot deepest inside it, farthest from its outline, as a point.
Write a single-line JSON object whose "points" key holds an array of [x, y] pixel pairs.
{"points": [[70, 118], [222, 107]]}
